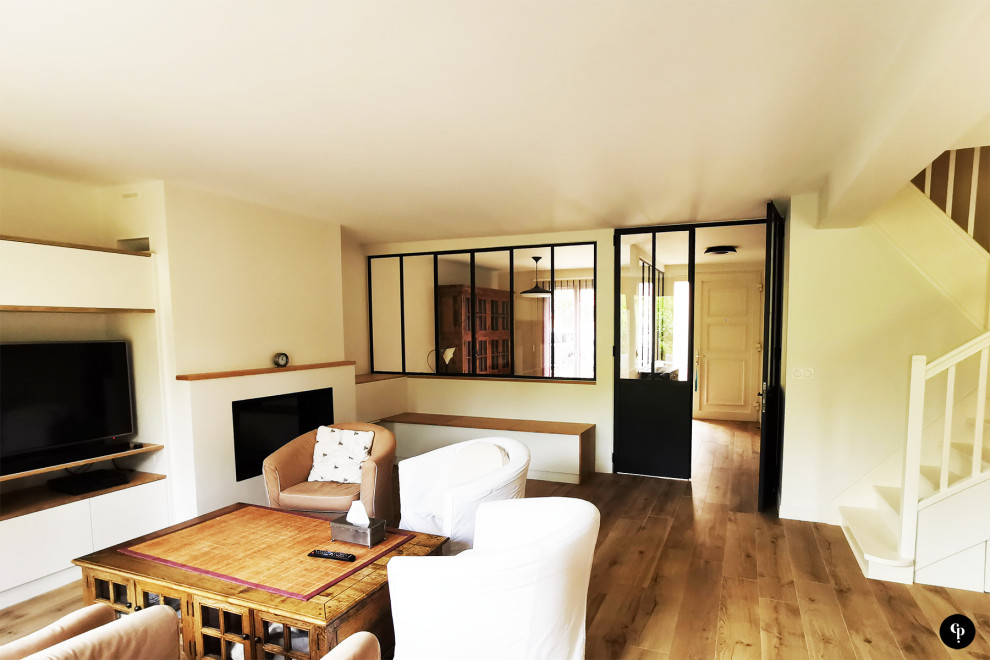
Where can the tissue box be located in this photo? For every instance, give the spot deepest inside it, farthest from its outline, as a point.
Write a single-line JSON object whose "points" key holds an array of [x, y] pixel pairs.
{"points": [[341, 530]]}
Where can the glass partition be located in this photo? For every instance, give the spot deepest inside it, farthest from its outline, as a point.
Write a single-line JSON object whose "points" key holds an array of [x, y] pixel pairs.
{"points": [[531, 303], [386, 314], [491, 312], [418, 313], [453, 296], [573, 316], [487, 312], [654, 306], [673, 307]]}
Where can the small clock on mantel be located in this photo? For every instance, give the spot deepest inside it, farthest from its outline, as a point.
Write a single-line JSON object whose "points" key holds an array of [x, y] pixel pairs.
{"points": [[280, 360]]}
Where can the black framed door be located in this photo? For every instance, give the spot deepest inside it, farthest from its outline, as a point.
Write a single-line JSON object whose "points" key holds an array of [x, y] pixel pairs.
{"points": [[772, 404], [654, 365]]}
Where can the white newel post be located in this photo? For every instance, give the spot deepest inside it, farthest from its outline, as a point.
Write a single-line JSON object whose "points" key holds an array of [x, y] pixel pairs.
{"points": [[912, 457]]}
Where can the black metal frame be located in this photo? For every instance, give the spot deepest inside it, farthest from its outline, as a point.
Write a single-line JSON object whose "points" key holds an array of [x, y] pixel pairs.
{"points": [[436, 254], [691, 228], [772, 407]]}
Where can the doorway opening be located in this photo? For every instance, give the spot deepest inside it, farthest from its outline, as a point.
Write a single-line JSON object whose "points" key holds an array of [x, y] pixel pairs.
{"points": [[697, 339]]}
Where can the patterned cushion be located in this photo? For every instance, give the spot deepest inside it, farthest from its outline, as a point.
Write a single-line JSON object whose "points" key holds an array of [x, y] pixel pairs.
{"points": [[338, 455]]}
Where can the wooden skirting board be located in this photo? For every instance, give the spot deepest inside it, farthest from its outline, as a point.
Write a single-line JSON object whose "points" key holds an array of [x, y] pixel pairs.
{"points": [[579, 467], [374, 378]]}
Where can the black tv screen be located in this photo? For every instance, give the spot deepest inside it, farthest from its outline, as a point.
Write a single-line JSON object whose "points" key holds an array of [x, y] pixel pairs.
{"points": [[263, 425], [56, 397]]}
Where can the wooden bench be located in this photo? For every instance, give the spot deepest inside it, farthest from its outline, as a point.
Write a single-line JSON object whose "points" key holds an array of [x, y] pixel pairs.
{"points": [[559, 451]]}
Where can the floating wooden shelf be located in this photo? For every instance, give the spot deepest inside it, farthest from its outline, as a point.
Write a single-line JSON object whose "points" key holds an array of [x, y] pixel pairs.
{"points": [[38, 498], [490, 423], [560, 381], [76, 246], [266, 370], [75, 310], [147, 448], [570, 459]]}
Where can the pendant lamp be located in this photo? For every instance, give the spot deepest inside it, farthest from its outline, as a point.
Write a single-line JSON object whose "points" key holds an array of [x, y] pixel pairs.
{"points": [[537, 291]]}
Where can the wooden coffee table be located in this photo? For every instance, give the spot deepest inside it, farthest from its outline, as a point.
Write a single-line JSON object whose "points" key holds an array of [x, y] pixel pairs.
{"points": [[239, 619]]}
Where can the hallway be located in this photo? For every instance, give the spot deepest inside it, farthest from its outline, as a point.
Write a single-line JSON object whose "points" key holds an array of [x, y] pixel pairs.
{"points": [[690, 570]]}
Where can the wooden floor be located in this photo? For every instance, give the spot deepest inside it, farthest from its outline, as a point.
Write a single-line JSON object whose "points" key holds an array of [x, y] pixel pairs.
{"points": [[690, 570]]}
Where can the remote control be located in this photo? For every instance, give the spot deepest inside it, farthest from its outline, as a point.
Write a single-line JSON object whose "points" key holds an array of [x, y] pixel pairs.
{"points": [[327, 554]]}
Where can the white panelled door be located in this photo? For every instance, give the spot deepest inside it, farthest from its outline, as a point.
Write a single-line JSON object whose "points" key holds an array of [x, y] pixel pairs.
{"points": [[728, 345]]}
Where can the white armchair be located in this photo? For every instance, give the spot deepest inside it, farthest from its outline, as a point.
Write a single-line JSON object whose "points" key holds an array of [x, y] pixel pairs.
{"points": [[520, 593], [440, 491]]}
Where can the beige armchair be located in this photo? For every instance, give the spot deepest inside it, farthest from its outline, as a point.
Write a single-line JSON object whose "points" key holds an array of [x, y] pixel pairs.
{"points": [[286, 472], [91, 633]]}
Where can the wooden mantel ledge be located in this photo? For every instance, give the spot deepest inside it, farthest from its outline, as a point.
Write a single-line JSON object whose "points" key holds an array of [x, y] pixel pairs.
{"points": [[266, 370]]}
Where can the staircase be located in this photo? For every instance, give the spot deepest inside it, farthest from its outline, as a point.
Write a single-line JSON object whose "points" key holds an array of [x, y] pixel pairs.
{"points": [[933, 526], [958, 183]]}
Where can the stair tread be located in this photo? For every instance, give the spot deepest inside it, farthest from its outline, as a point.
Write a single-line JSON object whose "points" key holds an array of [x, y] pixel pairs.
{"points": [[964, 451], [966, 448], [871, 533], [933, 474], [892, 496]]}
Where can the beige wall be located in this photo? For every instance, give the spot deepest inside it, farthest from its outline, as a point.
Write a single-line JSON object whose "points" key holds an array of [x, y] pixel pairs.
{"points": [[856, 312], [35, 206], [248, 282], [354, 265]]}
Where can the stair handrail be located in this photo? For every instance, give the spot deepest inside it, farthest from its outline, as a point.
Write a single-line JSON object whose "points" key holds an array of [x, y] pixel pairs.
{"points": [[957, 355], [921, 372]]}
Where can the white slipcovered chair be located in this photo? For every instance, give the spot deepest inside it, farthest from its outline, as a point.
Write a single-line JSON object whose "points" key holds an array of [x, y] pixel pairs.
{"points": [[521, 593], [439, 491]]}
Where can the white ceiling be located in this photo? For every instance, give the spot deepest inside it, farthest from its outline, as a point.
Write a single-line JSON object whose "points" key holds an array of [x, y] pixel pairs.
{"points": [[673, 246], [418, 119]]}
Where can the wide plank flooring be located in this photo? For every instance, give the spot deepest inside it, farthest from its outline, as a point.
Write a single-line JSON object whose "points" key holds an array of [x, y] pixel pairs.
{"points": [[690, 570], [696, 572]]}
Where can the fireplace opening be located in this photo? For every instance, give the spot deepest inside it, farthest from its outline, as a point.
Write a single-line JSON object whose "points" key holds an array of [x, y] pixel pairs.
{"points": [[264, 424]]}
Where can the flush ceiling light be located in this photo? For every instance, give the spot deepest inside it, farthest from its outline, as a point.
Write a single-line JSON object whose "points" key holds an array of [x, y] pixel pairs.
{"points": [[721, 249], [537, 291]]}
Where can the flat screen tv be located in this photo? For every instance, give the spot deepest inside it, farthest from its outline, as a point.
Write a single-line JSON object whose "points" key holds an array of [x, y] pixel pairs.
{"points": [[63, 401]]}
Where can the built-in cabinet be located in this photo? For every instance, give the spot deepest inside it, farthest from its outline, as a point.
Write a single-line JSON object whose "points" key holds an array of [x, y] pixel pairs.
{"points": [[45, 542], [41, 281], [492, 329]]}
